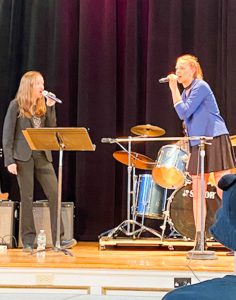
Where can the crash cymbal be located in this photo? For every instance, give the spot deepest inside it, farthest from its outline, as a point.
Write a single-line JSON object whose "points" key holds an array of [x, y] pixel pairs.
{"points": [[147, 130], [137, 160], [233, 140]]}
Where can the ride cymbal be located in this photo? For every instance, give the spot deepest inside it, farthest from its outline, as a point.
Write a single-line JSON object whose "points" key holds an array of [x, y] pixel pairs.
{"points": [[137, 160], [147, 130], [233, 140]]}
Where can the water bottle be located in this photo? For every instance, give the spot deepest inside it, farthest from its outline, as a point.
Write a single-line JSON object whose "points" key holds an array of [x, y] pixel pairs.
{"points": [[41, 244]]}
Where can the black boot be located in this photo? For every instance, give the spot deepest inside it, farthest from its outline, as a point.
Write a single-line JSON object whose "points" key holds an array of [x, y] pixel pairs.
{"points": [[197, 246]]}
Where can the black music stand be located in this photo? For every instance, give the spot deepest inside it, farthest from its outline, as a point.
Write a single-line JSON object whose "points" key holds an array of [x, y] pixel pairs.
{"points": [[59, 139]]}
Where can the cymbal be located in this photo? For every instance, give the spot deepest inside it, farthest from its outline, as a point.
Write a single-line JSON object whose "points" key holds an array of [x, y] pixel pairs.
{"points": [[147, 130], [233, 140], [137, 160]]}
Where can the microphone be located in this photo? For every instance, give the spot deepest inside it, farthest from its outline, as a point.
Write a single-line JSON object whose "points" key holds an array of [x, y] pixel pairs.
{"points": [[107, 141], [164, 80], [51, 96]]}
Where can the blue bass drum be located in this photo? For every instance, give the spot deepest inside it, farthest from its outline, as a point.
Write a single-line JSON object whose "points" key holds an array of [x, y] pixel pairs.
{"points": [[151, 198]]}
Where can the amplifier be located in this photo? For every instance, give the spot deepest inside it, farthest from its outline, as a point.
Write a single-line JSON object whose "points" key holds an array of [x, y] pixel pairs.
{"points": [[8, 223], [41, 215]]}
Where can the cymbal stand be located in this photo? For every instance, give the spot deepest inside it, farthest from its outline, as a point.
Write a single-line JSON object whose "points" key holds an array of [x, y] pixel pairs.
{"points": [[129, 170], [124, 227], [134, 197], [202, 254]]}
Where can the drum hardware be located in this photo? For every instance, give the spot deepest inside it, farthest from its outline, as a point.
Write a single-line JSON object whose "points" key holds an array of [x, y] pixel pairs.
{"points": [[132, 160], [203, 139], [185, 158], [167, 219], [147, 130]]}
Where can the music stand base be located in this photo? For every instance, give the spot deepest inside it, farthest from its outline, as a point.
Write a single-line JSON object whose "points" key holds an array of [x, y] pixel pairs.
{"points": [[204, 255], [56, 249], [65, 251]]}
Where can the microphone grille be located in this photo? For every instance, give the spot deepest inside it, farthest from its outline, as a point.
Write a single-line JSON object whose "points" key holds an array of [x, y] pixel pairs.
{"points": [[44, 93]]}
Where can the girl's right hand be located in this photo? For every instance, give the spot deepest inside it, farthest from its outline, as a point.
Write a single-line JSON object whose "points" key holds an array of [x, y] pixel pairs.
{"points": [[12, 169], [172, 81]]}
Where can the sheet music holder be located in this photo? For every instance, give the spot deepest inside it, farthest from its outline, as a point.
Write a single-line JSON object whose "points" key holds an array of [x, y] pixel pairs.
{"points": [[73, 139], [59, 139]]}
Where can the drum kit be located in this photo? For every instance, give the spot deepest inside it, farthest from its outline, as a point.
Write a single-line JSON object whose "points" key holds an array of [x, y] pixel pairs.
{"points": [[147, 194]]}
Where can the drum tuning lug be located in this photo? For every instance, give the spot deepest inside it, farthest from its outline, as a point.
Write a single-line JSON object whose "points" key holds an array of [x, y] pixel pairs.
{"points": [[185, 158]]}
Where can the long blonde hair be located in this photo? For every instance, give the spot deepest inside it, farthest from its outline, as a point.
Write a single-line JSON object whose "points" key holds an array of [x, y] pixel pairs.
{"points": [[24, 97], [193, 62]]}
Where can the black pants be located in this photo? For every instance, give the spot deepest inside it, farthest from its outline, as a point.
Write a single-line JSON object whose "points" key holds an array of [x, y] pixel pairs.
{"points": [[40, 168]]}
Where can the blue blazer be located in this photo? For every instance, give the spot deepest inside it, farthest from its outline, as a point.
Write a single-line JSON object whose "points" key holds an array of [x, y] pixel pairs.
{"points": [[200, 112]]}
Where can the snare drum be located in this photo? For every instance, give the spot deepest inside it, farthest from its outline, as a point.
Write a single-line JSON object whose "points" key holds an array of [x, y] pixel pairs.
{"points": [[170, 168], [151, 198], [181, 210]]}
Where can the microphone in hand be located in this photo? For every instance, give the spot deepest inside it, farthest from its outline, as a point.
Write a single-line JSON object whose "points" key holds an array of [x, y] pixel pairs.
{"points": [[164, 80], [51, 96]]}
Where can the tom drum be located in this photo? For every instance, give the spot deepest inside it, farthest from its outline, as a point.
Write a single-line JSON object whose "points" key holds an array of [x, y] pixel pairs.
{"points": [[169, 171]]}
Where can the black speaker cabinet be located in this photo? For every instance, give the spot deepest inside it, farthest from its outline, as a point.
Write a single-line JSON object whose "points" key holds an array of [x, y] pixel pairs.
{"points": [[8, 224], [41, 214]]}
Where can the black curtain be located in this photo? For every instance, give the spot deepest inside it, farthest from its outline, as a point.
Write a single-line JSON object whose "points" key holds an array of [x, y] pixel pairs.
{"points": [[104, 59]]}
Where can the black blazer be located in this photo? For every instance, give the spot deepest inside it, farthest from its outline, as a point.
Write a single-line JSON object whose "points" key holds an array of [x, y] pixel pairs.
{"points": [[14, 143]]}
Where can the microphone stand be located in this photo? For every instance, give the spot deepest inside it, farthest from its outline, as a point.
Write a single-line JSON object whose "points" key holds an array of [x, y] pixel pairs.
{"points": [[202, 254]]}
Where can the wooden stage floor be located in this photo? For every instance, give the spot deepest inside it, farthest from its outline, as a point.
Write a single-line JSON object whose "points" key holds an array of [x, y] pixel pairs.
{"points": [[123, 254], [126, 266]]}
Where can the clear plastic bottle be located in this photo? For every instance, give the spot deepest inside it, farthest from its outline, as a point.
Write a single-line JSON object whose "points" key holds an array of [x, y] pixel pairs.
{"points": [[41, 244]]}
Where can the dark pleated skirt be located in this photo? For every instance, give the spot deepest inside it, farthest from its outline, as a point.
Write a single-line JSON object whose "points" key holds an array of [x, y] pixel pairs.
{"points": [[219, 156]]}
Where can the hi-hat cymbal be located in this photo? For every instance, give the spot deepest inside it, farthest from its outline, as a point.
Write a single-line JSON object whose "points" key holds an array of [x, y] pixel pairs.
{"points": [[233, 140], [147, 130], [137, 160]]}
